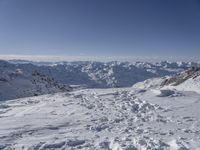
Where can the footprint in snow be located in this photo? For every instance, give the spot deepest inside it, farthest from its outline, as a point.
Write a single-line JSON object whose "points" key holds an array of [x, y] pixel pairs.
{"points": [[188, 119], [75, 142], [2, 106]]}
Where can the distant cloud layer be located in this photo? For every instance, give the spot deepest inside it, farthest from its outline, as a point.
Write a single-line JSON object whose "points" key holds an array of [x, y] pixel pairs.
{"points": [[52, 58]]}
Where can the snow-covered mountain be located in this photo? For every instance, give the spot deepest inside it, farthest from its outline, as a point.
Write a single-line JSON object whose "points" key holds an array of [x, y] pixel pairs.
{"points": [[18, 83], [20, 78], [100, 74]]}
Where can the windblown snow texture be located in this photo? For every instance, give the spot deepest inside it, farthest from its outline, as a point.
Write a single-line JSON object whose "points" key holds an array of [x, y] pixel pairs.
{"points": [[110, 119]]}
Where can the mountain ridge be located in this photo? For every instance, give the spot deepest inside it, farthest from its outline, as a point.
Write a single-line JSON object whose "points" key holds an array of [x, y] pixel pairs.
{"points": [[30, 79]]}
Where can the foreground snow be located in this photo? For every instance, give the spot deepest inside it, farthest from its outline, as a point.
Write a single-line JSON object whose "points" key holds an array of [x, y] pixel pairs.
{"points": [[128, 118]]}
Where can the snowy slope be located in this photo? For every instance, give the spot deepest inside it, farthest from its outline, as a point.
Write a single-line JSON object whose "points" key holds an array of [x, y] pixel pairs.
{"points": [[109, 119], [192, 84], [17, 83], [186, 81]]}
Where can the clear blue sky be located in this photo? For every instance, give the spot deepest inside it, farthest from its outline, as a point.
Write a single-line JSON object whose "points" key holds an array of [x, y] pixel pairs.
{"points": [[161, 28]]}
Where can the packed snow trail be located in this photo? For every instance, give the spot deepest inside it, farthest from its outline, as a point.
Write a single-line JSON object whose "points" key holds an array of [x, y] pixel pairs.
{"points": [[109, 119]]}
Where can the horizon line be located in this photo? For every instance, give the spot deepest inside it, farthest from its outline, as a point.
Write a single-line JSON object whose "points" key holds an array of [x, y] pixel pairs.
{"points": [[57, 58]]}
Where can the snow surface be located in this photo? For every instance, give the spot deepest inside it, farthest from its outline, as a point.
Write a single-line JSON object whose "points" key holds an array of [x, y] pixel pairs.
{"points": [[192, 84], [108, 119], [188, 80]]}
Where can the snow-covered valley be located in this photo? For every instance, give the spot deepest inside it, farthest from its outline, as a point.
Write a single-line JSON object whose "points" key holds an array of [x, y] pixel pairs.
{"points": [[150, 115]]}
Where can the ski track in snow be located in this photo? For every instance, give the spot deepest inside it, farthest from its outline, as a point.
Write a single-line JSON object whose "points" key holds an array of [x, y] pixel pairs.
{"points": [[109, 119]]}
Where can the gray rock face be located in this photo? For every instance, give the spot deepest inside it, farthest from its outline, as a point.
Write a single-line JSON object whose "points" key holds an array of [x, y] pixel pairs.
{"points": [[183, 76]]}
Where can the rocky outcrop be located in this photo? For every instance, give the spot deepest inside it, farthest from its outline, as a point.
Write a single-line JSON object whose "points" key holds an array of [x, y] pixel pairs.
{"points": [[182, 77]]}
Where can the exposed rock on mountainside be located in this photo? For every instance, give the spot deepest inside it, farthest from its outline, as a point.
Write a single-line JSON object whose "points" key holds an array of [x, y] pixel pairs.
{"points": [[192, 73], [18, 84]]}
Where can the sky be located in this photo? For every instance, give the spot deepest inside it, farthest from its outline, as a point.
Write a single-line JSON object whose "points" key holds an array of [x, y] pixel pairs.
{"points": [[100, 28]]}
